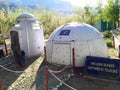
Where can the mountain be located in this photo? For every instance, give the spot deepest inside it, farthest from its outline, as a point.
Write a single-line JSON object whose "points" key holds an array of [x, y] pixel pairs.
{"points": [[58, 5], [5, 5]]}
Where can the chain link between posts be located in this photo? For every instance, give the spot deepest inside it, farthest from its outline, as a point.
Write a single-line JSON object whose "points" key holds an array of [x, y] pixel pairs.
{"points": [[11, 70], [52, 72]]}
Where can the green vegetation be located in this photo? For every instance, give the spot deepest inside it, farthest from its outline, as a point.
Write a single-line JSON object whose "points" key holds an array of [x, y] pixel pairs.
{"points": [[107, 34], [7, 17], [51, 20], [108, 42], [1, 42], [108, 38], [110, 13], [112, 52]]}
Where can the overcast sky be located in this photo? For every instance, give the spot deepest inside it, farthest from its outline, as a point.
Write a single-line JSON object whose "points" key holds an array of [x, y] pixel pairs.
{"points": [[83, 3]]}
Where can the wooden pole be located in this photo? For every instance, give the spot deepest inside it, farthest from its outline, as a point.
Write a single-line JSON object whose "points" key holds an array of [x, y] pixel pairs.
{"points": [[45, 54], [119, 51], [113, 41], [46, 78], [5, 47], [73, 59], [1, 85]]}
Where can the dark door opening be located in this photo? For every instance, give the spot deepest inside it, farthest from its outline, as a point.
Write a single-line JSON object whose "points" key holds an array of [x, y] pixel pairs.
{"points": [[15, 46]]}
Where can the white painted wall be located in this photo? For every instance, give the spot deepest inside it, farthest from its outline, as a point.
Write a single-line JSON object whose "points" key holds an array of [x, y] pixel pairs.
{"points": [[86, 41], [30, 33]]}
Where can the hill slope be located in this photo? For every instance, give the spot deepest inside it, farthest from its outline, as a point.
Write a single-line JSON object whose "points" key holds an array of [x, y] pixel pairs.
{"points": [[58, 5]]}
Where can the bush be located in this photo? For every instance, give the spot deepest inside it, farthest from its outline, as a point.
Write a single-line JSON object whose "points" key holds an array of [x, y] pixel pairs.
{"points": [[107, 34], [108, 42], [1, 42]]}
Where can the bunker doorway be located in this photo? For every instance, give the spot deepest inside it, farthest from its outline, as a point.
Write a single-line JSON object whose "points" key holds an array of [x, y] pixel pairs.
{"points": [[61, 53], [15, 46]]}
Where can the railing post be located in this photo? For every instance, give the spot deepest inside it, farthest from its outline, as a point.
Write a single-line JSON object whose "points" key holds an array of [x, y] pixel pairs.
{"points": [[113, 40], [1, 85], [119, 51], [6, 51], [46, 78], [45, 54], [73, 59]]}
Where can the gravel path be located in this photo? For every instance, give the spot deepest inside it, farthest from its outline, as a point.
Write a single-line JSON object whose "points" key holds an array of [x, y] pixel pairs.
{"points": [[33, 76], [36, 79]]}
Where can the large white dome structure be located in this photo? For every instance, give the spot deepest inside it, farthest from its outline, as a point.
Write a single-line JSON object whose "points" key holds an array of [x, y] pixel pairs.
{"points": [[27, 34], [75, 41]]}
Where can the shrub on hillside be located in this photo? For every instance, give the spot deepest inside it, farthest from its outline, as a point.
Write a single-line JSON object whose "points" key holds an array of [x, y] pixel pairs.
{"points": [[1, 42], [107, 34], [108, 42]]}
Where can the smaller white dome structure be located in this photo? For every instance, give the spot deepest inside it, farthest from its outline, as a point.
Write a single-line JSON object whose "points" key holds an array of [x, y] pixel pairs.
{"points": [[27, 34], [83, 38]]}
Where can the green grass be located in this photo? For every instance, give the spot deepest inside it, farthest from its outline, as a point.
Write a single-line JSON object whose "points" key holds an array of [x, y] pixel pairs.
{"points": [[112, 53], [1, 42], [108, 42]]}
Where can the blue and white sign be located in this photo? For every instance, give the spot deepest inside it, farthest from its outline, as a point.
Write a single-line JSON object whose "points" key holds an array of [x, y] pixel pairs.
{"points": [[102, 67], [65, 32]]}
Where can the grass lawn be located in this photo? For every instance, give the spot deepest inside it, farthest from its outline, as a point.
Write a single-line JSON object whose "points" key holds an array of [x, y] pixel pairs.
{"points": [[113, 53]]}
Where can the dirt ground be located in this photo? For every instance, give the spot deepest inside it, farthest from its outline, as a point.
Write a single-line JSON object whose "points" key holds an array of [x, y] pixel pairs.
{"points": [[33, 77], [11, 79], [81, 83]]}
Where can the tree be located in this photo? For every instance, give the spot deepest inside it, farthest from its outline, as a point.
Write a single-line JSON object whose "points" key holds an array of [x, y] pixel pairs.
{"points": [[89, 15], [86, 15], [7, 17], [78, 14], [99, 11], [110, 12]]}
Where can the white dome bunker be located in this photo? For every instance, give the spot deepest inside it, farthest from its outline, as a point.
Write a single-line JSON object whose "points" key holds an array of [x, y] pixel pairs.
{"points": [[75, 40], [27, 34]]}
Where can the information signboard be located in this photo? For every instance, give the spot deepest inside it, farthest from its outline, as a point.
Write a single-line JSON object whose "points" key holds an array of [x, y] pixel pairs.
{"points": [[102, 67]]}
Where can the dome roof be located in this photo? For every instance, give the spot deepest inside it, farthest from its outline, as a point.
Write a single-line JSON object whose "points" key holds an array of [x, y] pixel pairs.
{"points": [[25, 16], [75, 31]]}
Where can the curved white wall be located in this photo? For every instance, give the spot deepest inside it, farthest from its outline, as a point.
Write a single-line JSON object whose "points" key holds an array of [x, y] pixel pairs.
{"points": [[85, 39], [30, 33]]}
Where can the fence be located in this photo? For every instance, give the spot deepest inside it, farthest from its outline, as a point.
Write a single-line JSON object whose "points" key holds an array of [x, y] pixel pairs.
{"points": [[47, 71]]}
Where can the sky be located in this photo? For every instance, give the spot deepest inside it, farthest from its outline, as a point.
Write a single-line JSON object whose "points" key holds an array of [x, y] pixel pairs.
{"points": [[82, 3]]}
